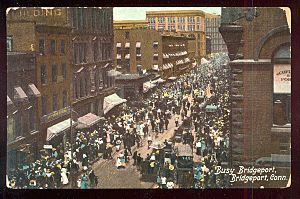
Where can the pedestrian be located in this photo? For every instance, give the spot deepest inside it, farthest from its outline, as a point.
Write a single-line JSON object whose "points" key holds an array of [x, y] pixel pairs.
{"points": [[139, 161], [176, 121], [126, 155], [166, 123], [134, 158], [149, 141]]}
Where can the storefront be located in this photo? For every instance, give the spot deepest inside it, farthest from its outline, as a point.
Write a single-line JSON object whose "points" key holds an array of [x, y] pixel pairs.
{"points": [[112, 101]]}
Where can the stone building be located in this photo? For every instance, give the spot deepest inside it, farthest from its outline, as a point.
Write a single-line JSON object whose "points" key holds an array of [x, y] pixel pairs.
{"points": [[22, 115], [185, 22], [212, 24], [258, 44]]}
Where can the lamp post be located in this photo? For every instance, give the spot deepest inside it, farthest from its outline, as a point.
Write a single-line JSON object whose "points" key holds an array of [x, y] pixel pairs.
{"points": [[73, 185]]}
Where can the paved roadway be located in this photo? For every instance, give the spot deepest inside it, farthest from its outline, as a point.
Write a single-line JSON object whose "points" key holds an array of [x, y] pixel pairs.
{"points": [[111, 177]]}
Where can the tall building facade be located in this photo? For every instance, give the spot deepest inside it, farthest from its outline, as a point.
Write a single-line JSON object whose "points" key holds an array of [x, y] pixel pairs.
{"points": [[261, 82], [92, 44], [212, 24], [22, 119], [185, 22], [45, 33]]}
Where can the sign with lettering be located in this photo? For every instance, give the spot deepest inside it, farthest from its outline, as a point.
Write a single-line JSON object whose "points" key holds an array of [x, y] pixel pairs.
{"points": [[55, 115], [53, 16], [282, 78]]}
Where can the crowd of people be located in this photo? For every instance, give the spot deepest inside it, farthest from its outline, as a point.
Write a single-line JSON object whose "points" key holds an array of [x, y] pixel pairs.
{"points": [[179, 99]]}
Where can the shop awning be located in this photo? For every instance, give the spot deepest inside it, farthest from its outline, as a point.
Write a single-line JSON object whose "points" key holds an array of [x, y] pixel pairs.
{"points": [[111, 101], [59, 128], [147, 86], [127, 45], [204, 61], [9, 102], [88, 120], [155, 54], [33, 90], [211, 108], [160, 80], [119, 45], [155, 67], [118, 56], [113, 73], [127, 56], [20, 94], [172, 78], [138, 44]]}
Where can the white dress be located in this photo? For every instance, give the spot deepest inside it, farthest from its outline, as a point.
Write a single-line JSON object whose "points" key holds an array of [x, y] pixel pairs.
{"points": [[64, 177]]}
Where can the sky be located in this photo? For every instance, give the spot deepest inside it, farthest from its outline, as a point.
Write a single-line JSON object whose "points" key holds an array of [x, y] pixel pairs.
{"points": [[139, 13]]}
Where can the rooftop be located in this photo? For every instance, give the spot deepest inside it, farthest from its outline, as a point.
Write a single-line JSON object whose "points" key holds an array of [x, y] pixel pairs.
{"points": [[175, 12]]}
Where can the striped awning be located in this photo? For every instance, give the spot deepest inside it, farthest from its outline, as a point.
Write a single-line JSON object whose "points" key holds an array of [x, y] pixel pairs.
{"points": [[9, 102], [20, 94], [33, 90]]}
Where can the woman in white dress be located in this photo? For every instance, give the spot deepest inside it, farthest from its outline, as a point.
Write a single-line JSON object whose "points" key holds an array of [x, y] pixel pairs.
{"points": [[64, 178]]}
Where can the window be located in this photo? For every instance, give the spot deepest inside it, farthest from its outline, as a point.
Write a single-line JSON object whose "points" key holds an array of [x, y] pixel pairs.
{"points": [[31, 116], [191, 27], [52, 46], [54, 73], [155, 57], [55, 102], [96, 51], [9, 42], [42, 46], [44, 105], [126, 35], [64, 70], [281, 109], [161, 19], [138, 51], [18, 125], [119, 50], [118, 61], [155, 44], [65, 99], [62, 46], [10, 128], [43, 74], [191, 19]]}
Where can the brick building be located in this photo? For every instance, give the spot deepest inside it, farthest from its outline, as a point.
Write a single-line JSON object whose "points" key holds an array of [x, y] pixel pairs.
{"points": [[185, 22], [212, 24], [259, 48], [130, 24], [22, 118], [156, 52], [46, 34], [92, 41]]}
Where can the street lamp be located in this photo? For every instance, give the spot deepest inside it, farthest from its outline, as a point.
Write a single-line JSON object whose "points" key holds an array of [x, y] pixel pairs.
{"points": [[71, 143]]}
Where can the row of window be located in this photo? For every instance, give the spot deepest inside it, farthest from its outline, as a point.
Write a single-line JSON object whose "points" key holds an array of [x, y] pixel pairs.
{"points": [[92, 18], [190, 19], [83, 85], [211, 30], [191, 27], [54, 72], [101, 51], [53, 46], [55, 102], [17, 126]]}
